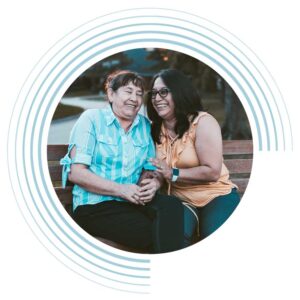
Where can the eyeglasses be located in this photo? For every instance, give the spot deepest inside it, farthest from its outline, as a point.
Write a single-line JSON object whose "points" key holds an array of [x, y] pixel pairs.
{"points": [[162, 93]]}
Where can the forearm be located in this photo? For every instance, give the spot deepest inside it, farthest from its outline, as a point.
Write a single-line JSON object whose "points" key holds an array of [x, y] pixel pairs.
{"points": [[93, 183], [198, 175]]}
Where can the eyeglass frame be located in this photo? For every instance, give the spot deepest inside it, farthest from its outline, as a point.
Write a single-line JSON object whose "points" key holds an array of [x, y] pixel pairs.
{"points": [[159, 92]]}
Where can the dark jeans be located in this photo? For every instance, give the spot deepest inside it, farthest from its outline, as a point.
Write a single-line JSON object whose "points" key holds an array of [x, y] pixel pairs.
{"points": [[156, 227], [216, 212]]}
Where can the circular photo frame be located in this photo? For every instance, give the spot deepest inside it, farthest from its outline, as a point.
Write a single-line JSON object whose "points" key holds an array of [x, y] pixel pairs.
{"points": [[58, 69]]}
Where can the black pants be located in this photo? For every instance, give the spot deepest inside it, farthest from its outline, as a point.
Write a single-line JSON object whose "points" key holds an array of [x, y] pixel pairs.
{"points": [[156, 227]]}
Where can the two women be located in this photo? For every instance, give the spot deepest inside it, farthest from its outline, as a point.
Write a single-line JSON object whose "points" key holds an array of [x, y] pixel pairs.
{"points": [[108, 150]]}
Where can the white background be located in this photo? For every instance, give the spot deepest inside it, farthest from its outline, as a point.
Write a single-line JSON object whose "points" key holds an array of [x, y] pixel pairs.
{"points": [[255, 255]]}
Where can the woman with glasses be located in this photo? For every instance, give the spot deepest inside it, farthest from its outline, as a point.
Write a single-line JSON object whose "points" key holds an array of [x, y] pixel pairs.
{"points": [[189, 150], [108, 150]]}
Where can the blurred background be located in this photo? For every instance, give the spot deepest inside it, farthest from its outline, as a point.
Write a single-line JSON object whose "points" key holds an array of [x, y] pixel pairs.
{"points": [[87, 91]]}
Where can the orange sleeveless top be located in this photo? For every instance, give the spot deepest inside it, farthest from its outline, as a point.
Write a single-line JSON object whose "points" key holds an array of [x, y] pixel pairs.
{"points": [[182, 154]]}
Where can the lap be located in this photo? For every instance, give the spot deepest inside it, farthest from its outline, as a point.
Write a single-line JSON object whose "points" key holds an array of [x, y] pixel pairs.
{"points": [[121, 222], [159, 222], [216, 212]]}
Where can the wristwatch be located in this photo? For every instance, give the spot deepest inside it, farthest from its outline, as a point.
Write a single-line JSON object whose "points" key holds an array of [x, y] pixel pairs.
{"points": [[175, 174]]}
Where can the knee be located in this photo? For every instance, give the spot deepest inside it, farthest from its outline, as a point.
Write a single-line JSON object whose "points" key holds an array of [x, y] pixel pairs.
{"points": [[168, 202]]}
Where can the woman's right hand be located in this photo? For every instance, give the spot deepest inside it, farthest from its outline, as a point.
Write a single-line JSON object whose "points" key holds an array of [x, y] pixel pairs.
{"points": [[131, 193]]}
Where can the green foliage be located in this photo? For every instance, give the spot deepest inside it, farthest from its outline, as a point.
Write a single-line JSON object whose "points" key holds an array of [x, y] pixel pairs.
{"points": [[63, 111]]}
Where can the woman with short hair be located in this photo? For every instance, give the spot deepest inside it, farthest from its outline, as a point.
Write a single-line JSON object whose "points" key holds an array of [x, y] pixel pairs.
{"points": [[108, 150]]}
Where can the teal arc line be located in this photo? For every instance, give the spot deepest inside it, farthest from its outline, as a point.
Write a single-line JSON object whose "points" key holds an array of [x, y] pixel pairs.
{"points": [[220, 45], [95, 265], [118, 281], [88, 270], [106, 269], [106, 252], [52, 98], [210, 48], [252, 108], [62, 82], [54, 206], [48, 89], [46, 208], [146, 269], [97, 248], [253, 77], [53, 232]]}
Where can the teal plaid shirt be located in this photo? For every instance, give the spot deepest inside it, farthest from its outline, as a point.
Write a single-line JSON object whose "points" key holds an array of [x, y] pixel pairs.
{"points": [[103, 145]]}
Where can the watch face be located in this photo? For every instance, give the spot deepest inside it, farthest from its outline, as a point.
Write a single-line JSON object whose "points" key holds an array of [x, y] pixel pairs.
{"points": [[175, 172]]}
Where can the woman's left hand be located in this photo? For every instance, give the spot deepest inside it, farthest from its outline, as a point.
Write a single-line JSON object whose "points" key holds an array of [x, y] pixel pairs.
{"points": [[162, 168]]}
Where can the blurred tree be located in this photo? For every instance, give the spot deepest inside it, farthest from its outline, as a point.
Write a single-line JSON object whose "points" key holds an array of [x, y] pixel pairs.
{"points": [[235, 125], [203, 77], [160, 57], [93, 78]]}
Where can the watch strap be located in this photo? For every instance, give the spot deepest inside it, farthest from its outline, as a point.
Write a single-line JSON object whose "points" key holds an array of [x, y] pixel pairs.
{"points": [[175, 174]]}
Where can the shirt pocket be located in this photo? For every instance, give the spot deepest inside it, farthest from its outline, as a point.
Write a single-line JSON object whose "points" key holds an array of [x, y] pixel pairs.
{"points": [[141, 150], [107, 148]]}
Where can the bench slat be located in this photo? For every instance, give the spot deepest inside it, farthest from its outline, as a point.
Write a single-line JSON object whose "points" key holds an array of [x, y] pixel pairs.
{"points": [[235, 166], [55, 172], [56, 152], [237, 147], [238, 159], [238, 166], [64, 195]]}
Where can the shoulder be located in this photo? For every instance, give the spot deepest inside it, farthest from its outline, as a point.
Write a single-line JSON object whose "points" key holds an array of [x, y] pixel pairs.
{"points": [[92, 114], [203, 118], [207, 125], [206, 118], [203, 122]]}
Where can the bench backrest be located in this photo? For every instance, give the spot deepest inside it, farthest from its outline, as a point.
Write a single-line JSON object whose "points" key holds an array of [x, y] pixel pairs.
{"points": [[238, 155]]}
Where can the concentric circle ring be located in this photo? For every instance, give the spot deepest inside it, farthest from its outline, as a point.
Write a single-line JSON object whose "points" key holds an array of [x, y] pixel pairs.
{"points": [[75, 53]]}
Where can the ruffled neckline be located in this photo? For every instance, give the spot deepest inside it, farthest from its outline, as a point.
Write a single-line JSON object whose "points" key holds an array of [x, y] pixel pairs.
{"points": [[173, 151]]}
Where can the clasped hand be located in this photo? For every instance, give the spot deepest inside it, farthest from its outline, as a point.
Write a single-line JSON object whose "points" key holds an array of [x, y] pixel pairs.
{"points": [[142, 194]]}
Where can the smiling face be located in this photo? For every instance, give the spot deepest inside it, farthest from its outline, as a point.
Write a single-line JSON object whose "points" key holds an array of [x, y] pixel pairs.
{"points": [[126, 101], [162, 101]]}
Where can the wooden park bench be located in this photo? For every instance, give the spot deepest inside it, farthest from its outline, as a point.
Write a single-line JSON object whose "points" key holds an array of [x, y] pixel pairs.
{"points": [[238, 155]]}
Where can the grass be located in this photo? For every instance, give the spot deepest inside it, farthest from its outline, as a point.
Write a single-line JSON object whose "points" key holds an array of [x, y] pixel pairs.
{"points": [[63, 111]]}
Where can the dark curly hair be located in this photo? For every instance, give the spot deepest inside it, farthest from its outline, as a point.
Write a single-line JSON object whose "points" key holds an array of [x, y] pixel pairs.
{"points": [[186, 99]]}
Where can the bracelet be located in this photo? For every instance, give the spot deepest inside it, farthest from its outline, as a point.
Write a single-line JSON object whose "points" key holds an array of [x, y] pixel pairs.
{"points": [[175, 174]]}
